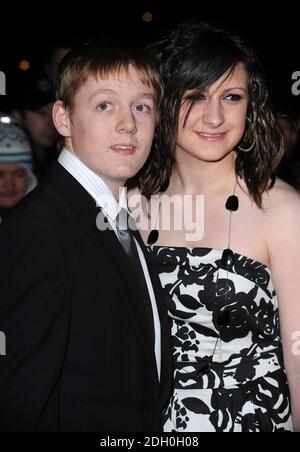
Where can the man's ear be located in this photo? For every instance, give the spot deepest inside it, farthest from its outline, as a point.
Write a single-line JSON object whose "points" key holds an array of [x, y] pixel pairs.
{"points": [[61, 118]]}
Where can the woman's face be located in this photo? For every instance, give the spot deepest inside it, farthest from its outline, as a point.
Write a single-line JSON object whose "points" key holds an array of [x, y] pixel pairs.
{"points": [[216, 123]]}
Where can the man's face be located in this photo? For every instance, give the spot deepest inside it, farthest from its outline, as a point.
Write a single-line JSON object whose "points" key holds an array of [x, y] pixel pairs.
{"points": [[111, 125], [13, 184]]}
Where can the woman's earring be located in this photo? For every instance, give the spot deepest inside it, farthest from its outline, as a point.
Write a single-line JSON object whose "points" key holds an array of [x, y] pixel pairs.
{"points": [[248, 149]]}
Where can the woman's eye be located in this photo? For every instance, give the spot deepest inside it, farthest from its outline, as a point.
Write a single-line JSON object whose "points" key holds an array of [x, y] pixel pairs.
{"points": [[233, 97], [104, 106]]}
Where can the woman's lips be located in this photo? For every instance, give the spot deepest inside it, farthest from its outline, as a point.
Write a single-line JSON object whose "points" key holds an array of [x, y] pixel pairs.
{"points": [[211, 136]]}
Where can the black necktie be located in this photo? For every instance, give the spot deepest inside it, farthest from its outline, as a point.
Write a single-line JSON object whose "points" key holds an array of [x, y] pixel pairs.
{"points": [[125, 227]]}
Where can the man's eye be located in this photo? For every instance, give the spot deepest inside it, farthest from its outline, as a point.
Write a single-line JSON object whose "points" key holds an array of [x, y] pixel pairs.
{"points": [[142, 108], [104, 106]]}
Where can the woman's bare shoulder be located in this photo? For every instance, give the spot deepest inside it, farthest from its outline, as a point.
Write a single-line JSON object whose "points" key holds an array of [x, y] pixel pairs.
{"points": [[283, 192], [282, 206]]}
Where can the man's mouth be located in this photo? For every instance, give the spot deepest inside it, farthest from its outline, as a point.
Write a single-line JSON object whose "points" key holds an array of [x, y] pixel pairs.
{"points": [[125, 149]]}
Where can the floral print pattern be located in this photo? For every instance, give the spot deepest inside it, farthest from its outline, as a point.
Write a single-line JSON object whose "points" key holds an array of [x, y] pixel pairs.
{"points": [[229, 373]]}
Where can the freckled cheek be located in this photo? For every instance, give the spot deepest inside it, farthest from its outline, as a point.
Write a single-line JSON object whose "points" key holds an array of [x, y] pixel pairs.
{"points": [[146, 136], [77, 132], [89, 139]]}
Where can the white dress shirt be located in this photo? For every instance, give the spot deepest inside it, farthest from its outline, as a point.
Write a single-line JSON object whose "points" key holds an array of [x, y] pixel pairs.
{"points": [[105, 199]]}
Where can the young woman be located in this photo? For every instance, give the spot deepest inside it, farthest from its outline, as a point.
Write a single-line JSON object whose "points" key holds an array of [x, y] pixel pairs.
{"points": [[236, 368]]}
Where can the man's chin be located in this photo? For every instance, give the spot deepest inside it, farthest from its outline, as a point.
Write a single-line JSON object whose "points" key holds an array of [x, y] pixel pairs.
{"points": [[127, 173]]}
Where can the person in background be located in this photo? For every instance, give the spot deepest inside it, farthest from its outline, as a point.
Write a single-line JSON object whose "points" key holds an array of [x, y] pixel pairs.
{"points": [[31, 105], [16, 169], [54, 56], [289, 166]]}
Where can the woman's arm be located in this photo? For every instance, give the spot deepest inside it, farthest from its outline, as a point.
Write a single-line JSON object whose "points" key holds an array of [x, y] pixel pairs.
{"points": [[284, 248]]}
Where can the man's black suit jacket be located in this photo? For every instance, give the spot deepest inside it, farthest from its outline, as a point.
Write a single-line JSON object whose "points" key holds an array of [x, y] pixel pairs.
{"points": [[79, 352]]}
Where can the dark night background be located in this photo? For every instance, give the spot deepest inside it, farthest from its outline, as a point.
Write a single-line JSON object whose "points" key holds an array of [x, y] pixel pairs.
{"points": [[27, 30]]}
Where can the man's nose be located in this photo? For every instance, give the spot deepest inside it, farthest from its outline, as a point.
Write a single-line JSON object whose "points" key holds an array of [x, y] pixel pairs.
{"points": [[126, 121]]}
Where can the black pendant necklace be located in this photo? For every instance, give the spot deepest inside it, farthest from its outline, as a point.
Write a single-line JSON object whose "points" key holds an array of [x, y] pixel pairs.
{"points": [[154, 233], [153, 237], [224, 316], [227, 260], [232, 204]]}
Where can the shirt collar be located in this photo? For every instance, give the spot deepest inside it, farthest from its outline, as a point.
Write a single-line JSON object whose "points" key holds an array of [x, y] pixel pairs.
{"points": [[94, 184]]}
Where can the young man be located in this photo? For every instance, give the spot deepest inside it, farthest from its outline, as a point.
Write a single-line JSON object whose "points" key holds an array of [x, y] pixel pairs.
{"points": [[88, 345]]}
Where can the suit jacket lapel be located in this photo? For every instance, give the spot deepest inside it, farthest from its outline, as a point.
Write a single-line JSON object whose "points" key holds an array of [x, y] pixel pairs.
{"points": [[107, 243], [166, 378]]}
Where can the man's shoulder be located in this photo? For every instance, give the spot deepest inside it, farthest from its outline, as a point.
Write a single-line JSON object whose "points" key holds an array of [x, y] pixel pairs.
{"points": [[40, 199], [39, 209]]}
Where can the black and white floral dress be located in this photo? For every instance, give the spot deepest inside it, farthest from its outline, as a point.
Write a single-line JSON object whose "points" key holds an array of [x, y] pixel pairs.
{"points": [[229, 373]]}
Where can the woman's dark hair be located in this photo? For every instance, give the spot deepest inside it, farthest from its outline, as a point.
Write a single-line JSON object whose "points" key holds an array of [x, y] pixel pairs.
{"points": [[191, 58]]}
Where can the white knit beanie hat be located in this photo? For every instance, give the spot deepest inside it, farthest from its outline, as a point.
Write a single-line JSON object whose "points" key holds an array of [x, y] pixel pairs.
{"points": [[15, 146]]}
